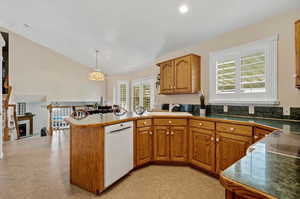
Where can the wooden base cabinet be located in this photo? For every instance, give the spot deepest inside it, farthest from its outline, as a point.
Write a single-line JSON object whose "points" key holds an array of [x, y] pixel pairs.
{"points": [[170, 143], [202, 148], [178, 144], [144, 145], [229, 149], [162, 143]]}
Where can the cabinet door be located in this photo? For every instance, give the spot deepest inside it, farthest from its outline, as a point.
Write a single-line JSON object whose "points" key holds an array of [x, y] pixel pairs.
{"points": [[202, 148], [183, 75], [230, 148], [297, 36], [178, 145], [166, 77], [161, 143], [144, 145]]}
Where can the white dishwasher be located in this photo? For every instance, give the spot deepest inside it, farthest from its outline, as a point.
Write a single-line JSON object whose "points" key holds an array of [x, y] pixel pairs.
{"points": [[118, 154]]}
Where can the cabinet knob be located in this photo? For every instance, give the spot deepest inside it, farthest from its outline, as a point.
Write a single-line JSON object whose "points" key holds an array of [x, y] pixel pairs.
{"points": [[172, 133], [150, 132], [167, 133], [255, 137], [231, 129], [217, 140], [212, 139], [145, 123], [170, 121], [200, 124]]}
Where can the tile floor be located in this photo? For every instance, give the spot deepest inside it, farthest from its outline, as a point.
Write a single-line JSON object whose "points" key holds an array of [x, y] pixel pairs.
{"points": [[38, 168]]}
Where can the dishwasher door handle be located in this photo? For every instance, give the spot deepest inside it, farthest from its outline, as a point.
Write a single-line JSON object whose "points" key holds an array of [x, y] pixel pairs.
{"points": [[116, 131]]}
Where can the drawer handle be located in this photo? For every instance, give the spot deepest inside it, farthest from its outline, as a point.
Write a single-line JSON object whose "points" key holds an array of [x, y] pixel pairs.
{"points": [[170, 121], [231, 129], [200, 124]]}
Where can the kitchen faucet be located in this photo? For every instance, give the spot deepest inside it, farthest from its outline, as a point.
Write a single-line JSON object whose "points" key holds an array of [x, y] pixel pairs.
{"points": [[171, 106]]}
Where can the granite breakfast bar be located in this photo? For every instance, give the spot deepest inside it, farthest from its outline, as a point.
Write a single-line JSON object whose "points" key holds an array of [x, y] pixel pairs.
{"points": [[249, 177]]}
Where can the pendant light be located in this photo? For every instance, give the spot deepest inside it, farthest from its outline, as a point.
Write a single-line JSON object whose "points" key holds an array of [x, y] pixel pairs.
{"points": [[97, 75]]}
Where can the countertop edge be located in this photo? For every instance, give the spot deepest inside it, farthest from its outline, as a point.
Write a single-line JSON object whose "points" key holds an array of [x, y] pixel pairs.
{"points": [[242, 189], [253, 124]]}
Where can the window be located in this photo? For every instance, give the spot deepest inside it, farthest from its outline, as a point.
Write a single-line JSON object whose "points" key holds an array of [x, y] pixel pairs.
{"points": [[122, 94], [245, 74], [143, 94]]}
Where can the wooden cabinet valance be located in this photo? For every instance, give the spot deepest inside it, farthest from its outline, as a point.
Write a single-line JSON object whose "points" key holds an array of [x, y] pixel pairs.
{"points": [[297, 44], [180, 75]]}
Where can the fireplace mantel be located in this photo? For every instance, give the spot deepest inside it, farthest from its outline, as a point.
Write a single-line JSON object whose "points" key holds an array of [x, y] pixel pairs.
{"points": [[30, 119]]}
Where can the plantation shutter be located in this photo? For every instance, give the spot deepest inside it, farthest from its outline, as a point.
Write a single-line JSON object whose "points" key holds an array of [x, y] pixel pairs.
{"points": [[226, 76], [136, 96], [147, 96], [123, 95], [253, 73]]}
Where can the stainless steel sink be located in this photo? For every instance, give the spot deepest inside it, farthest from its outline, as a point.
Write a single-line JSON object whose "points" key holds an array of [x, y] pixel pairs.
{"points": [[286, 144]]}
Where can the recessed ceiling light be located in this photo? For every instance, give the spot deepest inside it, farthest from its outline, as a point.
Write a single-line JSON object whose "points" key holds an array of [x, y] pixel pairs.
{"points": [[183, 9]]}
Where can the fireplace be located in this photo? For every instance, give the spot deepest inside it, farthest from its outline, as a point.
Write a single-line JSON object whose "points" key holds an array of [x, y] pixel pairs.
{"points": [[23, 129]]}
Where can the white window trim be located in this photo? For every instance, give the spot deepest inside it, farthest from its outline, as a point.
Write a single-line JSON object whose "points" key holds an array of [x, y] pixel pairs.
{"points": [[271, 96], [140, 82], [117, 93]]}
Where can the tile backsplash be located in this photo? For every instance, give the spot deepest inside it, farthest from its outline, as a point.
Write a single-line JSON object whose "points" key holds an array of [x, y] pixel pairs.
{"points": [[259, 111]]}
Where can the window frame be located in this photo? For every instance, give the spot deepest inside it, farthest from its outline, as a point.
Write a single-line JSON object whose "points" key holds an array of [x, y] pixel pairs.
{"points": [[269, 46], [141, 82], [117, 98]]}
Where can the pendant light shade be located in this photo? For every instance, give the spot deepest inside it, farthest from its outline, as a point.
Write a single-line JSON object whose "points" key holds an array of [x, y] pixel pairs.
{"points": [[97, 75]]}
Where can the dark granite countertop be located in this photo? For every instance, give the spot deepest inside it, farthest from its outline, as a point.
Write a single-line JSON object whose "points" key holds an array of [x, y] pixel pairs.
{"points": [[273, 167], [286, 126]]}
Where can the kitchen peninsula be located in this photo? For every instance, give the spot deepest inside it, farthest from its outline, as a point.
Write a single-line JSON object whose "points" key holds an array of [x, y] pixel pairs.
{"points": [[213, 144]]}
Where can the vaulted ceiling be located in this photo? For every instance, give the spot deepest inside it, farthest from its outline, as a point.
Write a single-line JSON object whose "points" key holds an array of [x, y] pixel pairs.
{"points": [[130, 34]]}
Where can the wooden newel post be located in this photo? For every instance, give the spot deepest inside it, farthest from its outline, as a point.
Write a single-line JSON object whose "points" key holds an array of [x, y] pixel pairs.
{"points": [[50, 129], [5, 106]]}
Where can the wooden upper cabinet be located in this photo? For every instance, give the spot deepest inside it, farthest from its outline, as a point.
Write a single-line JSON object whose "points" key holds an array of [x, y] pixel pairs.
{"points": [[229, 149], [167, 77], [183, 75], [161, 143], [202, 148], [297, 44], [178, 144], [180, 75], [144, 145]]}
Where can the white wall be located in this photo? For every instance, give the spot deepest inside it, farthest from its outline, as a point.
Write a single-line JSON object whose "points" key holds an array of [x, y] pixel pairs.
{"points": [[38, 70], [40, 119], [283, 24]]}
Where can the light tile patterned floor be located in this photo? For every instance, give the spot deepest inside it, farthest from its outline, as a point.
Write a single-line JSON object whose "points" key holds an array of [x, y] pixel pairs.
{"points": [[38, 168]]}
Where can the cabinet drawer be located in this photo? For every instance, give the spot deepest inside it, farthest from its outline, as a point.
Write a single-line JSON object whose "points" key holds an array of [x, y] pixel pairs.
{"points": [[235, 129], [145, 122], [172, 122], [203, 124], [262, 131]]}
